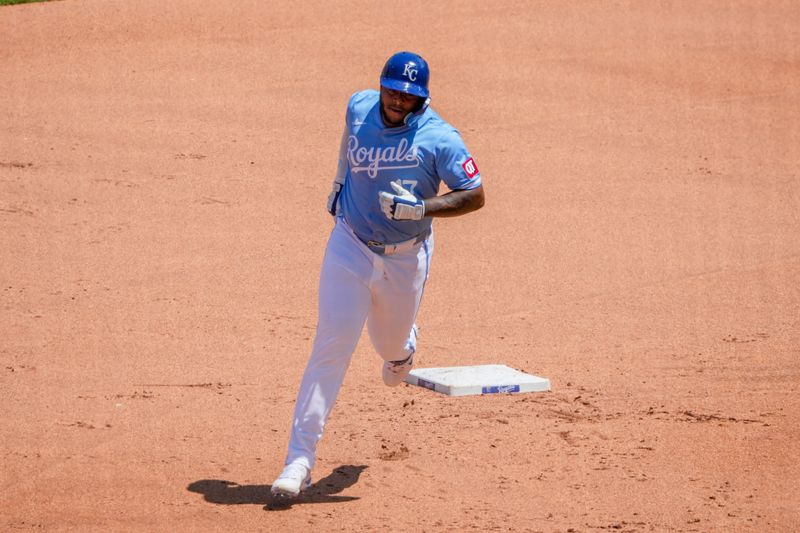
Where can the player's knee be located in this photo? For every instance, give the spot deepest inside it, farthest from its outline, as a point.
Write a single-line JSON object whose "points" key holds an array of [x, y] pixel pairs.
{"points": [[331, 350]]}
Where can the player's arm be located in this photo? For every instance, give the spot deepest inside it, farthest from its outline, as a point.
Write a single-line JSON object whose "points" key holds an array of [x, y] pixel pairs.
{"points": [[339, 178], [455, 203], [459, 172], [403, 205]]}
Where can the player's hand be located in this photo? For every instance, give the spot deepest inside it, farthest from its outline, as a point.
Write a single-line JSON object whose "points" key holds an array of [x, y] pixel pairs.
{"points": [[401, 206], [333, 198]]}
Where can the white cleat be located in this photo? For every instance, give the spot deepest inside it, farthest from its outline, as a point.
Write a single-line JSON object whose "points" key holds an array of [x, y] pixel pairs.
{"points": [[294, 479], [394, 372]]}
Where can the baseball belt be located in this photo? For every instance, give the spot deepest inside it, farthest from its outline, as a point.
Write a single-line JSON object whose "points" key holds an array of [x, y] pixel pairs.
{"points": [[389, 249]]}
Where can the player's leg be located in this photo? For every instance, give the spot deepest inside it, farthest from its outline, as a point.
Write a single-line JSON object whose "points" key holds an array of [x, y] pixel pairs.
{"points": [[344, 301], [343, 306], [396, 299]]}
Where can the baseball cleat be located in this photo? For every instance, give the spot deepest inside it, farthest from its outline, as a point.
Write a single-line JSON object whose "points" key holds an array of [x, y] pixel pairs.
{"points": [[294, 479], [394, 372]]}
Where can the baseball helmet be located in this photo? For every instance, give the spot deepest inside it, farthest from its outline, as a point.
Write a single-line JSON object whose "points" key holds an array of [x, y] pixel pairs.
{"points": [[406, 72]]}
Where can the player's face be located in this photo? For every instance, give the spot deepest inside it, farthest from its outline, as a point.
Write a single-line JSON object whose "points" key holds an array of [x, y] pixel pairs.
{"points": [[396, 105]]}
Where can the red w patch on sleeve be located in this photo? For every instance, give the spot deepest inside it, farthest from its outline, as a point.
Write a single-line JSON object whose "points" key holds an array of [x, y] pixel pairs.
{"points": [[470, 168]]}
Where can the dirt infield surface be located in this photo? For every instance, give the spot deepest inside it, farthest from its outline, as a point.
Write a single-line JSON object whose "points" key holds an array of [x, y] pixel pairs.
{"points": [[163, 174]]}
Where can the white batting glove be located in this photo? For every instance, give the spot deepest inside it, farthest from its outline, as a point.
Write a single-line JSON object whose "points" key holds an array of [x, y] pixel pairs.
{"points": [[401, 206]]}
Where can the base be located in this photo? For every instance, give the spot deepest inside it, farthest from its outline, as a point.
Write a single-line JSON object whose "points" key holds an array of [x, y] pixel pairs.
{"points": [[480, 379]]}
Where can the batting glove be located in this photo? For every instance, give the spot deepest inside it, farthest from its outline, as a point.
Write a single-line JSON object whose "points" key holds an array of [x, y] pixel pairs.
{"points": [[333, 198], [402, 205]]}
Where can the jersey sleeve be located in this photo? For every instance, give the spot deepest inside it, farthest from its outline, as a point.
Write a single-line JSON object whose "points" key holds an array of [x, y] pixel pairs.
{"points": [[455, 165]]}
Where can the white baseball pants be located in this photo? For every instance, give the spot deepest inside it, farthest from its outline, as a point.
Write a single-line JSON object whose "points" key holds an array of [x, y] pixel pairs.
{"points": [[356, 286]]}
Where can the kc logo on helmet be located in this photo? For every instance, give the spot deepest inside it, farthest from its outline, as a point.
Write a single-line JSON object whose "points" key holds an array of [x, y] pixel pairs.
{"points": [[410, 72], [470, 168]]}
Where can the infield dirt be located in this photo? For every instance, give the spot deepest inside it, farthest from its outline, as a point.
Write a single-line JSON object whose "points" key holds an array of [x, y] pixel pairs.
{"points": [[163, 174]]}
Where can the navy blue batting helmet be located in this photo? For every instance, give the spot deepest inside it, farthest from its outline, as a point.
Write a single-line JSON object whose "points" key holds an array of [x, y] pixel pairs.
{"points": [[406, 72]]}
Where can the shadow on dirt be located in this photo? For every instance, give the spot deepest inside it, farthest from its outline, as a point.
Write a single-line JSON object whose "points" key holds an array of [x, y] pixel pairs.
{"points": [[323, 491]]}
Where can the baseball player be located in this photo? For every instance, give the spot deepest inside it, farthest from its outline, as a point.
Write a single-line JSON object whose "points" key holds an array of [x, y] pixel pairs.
{"points": [[395, 152]]}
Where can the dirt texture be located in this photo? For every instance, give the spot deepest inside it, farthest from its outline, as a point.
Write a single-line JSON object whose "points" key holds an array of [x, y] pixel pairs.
{"points": [[163, 174]]}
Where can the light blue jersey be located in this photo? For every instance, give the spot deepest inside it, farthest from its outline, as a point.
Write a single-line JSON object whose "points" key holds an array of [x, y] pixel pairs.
{"points": [[420, 155]]}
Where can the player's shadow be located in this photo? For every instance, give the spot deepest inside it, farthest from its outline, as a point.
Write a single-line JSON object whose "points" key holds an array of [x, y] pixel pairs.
{"points": [[323, 491]]}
